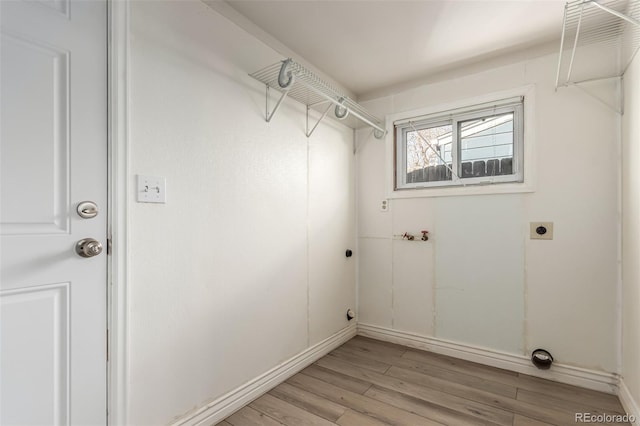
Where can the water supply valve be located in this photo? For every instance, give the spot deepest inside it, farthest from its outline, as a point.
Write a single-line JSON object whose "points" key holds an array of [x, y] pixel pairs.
{"points": [[407, 236]]}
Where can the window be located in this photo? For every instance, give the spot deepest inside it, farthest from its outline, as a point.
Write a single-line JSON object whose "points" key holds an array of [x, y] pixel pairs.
{"points": [[482, 144]]}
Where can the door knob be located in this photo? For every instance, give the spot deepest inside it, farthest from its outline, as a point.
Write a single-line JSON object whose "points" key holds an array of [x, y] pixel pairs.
{"points": [[88, 247]]}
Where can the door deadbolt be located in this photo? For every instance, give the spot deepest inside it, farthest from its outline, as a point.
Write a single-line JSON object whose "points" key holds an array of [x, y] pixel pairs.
{"points": [[88, 247], [87, 209]]}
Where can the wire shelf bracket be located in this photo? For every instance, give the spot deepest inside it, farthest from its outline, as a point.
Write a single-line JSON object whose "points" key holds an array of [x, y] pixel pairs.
{"points": [[293, 80], [612, 23]]}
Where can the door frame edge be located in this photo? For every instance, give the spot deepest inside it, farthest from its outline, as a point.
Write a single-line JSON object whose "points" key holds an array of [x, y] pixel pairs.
{"points": [[118, 221]]}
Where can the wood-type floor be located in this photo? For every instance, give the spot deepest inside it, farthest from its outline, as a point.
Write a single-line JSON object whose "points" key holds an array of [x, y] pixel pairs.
{"points": [[366, 382]]}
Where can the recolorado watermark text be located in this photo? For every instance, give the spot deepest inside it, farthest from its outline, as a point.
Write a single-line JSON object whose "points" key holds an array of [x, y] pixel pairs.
{"points": [[604, 418]]}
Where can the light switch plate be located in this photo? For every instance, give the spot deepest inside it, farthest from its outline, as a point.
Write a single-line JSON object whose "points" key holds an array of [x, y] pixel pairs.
{"points": [[541, 230], [151, 189]]}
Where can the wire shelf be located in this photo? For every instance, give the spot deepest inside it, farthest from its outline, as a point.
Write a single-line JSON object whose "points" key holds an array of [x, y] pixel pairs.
{"points": [[318, 95], [614, 24]]}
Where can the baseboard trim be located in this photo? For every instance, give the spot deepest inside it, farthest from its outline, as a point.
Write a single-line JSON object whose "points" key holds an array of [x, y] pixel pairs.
{"points": [[227, 404], [590, 379], [628, 403]]}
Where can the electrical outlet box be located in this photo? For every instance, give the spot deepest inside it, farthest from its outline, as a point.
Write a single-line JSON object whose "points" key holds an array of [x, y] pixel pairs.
{"points": [[384, 205], [151, 189], [541, 230]]}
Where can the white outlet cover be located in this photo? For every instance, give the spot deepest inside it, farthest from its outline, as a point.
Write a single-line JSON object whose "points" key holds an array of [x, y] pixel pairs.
{"points": [[151, 189], [384, 205]]}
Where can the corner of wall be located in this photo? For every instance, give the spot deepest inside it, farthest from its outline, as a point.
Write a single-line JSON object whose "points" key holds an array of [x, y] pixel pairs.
{"points": [[232, 401], [630, 383], [628, 403]]}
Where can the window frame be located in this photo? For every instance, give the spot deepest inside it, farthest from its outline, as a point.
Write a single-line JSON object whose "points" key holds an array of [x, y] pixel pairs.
{"points": [[454, 117]]}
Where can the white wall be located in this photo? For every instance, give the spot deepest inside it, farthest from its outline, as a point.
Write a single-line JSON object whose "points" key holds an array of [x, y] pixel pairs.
{"points": [[480, 280], [244, 266], [631, 232]]}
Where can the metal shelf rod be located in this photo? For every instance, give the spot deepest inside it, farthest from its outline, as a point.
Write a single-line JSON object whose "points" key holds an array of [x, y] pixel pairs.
{"points": [[324, 114], [591, 80], [611, 24], [575, 44], [616, 13], [351, 111], [297, 82], [270, 116], [564, 25]]}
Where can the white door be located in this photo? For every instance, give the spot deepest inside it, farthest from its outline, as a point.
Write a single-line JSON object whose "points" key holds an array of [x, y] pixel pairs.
{"points": [[53, 155]]}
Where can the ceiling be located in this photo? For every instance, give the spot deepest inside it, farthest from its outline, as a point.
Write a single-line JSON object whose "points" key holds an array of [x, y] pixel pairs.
{"points": [[370, 46]]}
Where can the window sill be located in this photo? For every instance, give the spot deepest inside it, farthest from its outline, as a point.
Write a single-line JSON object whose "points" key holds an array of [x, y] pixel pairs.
{"points": [[504, 188]]}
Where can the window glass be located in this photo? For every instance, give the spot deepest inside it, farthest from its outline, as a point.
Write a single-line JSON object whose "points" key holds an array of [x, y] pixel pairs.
{"points": [[486, 146], [428, 150]]}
